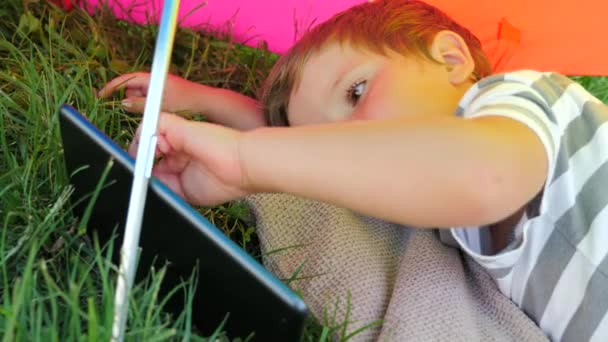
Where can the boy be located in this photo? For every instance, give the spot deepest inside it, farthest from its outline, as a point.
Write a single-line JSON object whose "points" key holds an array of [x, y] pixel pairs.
{"points": [[402, 107]]}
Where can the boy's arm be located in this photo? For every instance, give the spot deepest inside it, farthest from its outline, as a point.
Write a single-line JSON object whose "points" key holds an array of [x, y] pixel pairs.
{"points": [[427, 171], [229, 108], [222, 106]]}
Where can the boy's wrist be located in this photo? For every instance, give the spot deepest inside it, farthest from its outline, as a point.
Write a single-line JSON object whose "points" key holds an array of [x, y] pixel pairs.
{"points": [[256, 176], [198, 97], [229, 108]]}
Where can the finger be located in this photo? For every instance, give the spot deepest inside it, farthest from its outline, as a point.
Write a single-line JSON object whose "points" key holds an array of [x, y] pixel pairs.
{"points": [[171, 180], [172, 164], [134, 92], [135, 80], [174, 130], [135, 143], [163, 145], [134, 104], [133, 148]]}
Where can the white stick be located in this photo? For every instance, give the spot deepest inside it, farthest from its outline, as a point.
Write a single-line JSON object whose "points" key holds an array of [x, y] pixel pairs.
{"points": [[143, 166]]}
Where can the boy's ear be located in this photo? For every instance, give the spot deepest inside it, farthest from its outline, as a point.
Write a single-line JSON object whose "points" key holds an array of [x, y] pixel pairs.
{"points": [[449, 49]]}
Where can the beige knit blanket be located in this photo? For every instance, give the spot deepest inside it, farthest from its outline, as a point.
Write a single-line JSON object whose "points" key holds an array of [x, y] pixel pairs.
{"points": [[356, 270]]}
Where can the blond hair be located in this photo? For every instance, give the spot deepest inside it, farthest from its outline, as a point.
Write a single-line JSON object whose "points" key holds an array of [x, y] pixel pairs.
{"points": [[404, 26]]}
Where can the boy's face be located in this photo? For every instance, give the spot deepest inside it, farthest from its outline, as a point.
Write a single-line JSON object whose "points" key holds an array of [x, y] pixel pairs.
{"points": [[344, 83]]}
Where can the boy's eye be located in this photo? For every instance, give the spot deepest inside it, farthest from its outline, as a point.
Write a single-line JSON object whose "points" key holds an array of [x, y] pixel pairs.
{"points": [[355, 92]]}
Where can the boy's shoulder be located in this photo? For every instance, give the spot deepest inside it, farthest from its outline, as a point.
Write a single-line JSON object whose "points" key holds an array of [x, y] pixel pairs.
{"points": [[545, 89], [548, 83]]}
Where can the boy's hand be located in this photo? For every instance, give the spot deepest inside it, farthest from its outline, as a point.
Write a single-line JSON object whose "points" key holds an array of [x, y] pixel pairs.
{"points": [[221, 106], [199, 161], [177, 96]]}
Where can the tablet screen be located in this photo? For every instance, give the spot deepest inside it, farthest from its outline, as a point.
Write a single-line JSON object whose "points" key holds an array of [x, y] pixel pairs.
{"points": [[229, 280]]}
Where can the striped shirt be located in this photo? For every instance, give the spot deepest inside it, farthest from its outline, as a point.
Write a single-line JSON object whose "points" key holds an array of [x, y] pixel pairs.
{"points": [[556, 266]]}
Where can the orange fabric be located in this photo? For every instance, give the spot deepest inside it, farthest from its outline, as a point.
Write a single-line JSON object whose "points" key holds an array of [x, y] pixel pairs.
{"points": [[548, 35]]}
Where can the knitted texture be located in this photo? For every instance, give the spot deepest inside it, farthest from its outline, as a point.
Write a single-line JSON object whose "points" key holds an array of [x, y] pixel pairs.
{"points": [[362, 271]]}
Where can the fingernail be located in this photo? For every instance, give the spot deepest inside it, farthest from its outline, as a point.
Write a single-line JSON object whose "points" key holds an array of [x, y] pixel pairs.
{"points": [[127, 104]]}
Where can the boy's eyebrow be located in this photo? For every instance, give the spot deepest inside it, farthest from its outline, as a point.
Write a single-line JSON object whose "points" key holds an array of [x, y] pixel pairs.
{"points": [[339, 79], [342, 74]]}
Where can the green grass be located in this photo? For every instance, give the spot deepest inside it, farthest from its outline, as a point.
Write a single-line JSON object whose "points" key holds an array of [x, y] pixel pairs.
{"points": [[57, 284]]}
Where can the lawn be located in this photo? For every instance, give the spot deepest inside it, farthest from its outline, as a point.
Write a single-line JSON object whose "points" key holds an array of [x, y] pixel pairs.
{"points": [[56, 283]]}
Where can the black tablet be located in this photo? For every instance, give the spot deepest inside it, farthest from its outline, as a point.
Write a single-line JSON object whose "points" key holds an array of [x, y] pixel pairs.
{"points": [[230, 282]]}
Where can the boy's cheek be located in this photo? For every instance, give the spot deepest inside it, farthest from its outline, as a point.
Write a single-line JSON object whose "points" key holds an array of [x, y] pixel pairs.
{"points": [[378, 105], [368, 109], [382, 100]]}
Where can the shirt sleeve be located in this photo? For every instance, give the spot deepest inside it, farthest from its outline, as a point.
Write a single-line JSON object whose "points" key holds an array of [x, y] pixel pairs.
{"points": [[527, 97], [523, 97]]}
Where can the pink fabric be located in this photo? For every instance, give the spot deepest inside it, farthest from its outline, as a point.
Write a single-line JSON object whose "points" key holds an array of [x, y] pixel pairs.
{"points": [[251, 21], [515, 34]]}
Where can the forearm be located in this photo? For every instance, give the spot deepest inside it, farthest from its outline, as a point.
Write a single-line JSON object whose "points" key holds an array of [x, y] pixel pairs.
{"points": [[228, 108], [424, 171]]}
